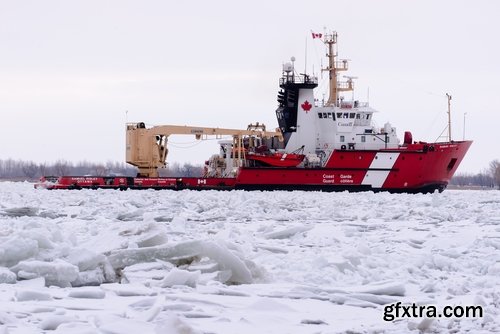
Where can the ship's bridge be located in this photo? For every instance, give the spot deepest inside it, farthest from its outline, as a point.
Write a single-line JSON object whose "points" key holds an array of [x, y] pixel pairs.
{"points": [[305, 79], [360, 113], [349, 126]]}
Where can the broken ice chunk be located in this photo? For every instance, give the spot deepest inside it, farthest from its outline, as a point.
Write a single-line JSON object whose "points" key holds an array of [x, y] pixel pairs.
{"points": [[87, 292], [17, 249], [287, 233], [180, 277], [58, 272], [26, 295], [126, 290], [21, 211], [53, 321], [7, 276]]}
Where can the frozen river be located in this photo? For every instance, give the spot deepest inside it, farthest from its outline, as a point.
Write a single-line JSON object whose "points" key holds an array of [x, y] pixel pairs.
{"points": [[106, 261]]}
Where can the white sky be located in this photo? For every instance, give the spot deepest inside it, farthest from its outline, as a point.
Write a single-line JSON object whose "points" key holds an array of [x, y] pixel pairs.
{"points": [[70, 69]]}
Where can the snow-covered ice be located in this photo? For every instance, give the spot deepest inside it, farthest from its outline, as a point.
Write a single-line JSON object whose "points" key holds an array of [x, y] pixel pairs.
{"points": [[103, 261]]}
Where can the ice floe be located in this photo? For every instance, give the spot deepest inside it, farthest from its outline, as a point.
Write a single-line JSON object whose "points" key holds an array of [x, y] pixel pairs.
{"points": [[224, 262]]}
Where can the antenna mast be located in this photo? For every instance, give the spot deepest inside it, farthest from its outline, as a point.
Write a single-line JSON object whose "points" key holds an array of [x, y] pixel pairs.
{"points": [[448, 96], [333, 68], [305, 59]]}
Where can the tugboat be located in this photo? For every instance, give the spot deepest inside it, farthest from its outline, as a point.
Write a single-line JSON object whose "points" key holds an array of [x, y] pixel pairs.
{"points": [[328, 145]]}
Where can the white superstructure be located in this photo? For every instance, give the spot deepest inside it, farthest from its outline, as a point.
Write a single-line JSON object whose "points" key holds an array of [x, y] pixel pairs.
{"points": [[337, 124]]}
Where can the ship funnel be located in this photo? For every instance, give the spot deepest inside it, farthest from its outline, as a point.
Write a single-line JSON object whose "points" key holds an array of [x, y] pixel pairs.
{"points": [[408, 138]]}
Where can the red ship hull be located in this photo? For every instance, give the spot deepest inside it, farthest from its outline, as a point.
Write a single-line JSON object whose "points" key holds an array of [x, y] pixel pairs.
{"points": [[420, 167], [414, 168]]}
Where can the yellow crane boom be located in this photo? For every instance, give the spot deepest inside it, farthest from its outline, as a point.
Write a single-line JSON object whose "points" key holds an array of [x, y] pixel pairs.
{"points": [[146, 148]]}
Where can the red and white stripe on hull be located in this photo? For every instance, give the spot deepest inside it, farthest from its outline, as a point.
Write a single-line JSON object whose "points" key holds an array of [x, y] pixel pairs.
{"points": [[379, 169]]}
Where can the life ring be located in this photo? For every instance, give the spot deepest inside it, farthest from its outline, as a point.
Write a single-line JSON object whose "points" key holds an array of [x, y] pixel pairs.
{"points": [[343, 147]]}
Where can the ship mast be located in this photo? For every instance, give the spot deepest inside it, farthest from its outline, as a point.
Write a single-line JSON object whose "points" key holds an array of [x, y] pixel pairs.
{"points": [[333, 68], [448, 96]]}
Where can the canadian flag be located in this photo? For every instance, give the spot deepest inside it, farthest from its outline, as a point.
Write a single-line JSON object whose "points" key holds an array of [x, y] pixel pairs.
{"points": [[316, 35]]}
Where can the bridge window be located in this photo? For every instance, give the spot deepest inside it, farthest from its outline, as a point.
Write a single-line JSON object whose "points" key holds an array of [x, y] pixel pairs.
{"points": [[358, 116], [320, 115], [339, 115], [352, 115]]}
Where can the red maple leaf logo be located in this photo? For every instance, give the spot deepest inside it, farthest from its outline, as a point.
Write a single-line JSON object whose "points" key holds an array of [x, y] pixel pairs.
{"points": [[306, 106]]}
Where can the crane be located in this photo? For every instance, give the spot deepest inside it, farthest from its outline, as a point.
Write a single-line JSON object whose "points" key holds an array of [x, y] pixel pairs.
{"points": [[146, 148]]}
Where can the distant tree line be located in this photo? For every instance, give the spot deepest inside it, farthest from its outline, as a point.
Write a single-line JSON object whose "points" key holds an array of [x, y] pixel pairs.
{"points": [[177, 169], [28, 170], [487, 178]]}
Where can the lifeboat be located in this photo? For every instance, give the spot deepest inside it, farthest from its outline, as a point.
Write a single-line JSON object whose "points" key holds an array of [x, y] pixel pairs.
{"points": [[277, 159]]}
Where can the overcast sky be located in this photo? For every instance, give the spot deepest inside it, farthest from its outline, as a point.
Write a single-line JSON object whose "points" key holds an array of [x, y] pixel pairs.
{"points": [[69, 70]]}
